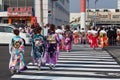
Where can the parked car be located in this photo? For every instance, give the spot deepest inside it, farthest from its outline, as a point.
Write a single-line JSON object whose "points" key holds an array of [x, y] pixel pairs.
{"points": [[6, 34]]}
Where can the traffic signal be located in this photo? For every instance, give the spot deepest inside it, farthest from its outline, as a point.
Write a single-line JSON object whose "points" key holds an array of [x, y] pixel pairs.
{"points": [[49, 13]]}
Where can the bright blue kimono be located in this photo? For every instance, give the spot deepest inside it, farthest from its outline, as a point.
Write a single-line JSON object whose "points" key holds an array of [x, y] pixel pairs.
{"points": [[17, 54]]}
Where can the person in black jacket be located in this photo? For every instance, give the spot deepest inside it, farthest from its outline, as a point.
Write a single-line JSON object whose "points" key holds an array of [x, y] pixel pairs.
{"points": [[109, 35]]}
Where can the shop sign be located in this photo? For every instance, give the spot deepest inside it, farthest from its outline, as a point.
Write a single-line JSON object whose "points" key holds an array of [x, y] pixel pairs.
{"points": [[19, 11]]}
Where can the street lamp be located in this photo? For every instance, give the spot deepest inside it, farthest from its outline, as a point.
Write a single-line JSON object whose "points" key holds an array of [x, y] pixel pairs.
{"points": [[88, 18], [87, 9], [52, 9], [41, 12], [95, 13]]}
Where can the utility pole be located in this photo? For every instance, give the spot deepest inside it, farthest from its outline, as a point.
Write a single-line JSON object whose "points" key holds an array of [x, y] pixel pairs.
{"points": [[83, 15], [95, 13], [87, 9], [52, 4], [41, 12], [52, 11]]}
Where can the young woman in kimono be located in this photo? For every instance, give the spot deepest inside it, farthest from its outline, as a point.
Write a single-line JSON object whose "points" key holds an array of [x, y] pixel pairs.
{"points": [[38, 47], [68, 38], [94, 39], [82, 36], [118, 35], [76, 36], [53, 42], [16, 50], [88, 36], [60, 32], [103, 39]]}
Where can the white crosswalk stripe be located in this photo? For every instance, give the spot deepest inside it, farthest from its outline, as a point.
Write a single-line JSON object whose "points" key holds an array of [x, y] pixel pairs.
{"points": [[87, 64]]}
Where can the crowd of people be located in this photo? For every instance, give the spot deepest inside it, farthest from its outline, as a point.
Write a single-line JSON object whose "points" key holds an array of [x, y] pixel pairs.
{"points": [[47, 43], [103, 36], [45, 47]]}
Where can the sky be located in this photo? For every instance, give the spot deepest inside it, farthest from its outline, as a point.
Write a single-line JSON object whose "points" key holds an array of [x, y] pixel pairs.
{"points": [[106, 4]]}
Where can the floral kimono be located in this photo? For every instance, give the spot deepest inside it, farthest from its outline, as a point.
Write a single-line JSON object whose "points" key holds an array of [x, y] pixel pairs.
{"points": [[38, 49], [68, 37], [103, 39], [52, 54], [16, 50]]}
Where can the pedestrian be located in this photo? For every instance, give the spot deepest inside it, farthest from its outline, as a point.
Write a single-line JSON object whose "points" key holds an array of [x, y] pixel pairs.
{"points": [[60, 32], [76, 36], [114, 36], [94, 38], [45, 30], [38, 47], [52, 47], [103, 39], [16, 50], [89, 36], [68, 38], [27, 29], [82, 36], [118, 35], [109, 35], [63, 27]]}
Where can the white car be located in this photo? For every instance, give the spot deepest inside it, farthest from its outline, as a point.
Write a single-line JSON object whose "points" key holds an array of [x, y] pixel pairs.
{"points": [[6, 34]]}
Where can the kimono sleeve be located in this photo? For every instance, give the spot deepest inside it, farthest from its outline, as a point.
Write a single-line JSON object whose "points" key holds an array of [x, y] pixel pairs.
{"points": [[10, 46]]}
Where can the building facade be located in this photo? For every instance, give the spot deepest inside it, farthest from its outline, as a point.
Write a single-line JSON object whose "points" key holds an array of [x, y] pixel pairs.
{"points": [[104, 16], [54, 11], [16, 10], [118, 4], [99, 17]]}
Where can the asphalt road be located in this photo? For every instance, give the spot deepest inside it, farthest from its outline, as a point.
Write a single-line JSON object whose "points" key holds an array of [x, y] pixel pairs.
{"points": [[4, 61], [82, 63], [92, 63]]}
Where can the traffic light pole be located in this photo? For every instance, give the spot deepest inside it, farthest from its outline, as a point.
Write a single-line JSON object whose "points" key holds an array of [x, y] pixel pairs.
{"points": [[41, 12], [95, 14], [52, 12]]}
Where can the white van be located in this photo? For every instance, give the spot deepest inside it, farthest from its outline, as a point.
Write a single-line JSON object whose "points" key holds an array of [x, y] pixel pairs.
{"points": [[6, 34]]}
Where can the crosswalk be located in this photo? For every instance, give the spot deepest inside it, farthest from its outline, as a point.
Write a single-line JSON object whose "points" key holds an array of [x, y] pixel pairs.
{"points": [[83, 63]]}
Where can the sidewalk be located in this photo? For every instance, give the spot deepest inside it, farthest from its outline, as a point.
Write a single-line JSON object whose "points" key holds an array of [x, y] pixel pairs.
{"points": [[114, 52]]}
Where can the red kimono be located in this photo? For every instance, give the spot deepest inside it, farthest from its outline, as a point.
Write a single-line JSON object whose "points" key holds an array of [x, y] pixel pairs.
{"points": [[94, 39]]}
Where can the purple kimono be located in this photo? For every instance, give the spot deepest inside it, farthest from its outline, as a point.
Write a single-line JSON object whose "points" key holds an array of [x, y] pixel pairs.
{"points": [[52, 52]]}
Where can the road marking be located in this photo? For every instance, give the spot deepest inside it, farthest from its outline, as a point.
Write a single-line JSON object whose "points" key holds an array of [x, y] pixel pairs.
{"points": [[76, 65], [57, 78], [75, 68], [79, 54], [86, 59], [83, 65], [86, 52], [92, 62], [94, 57]]}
